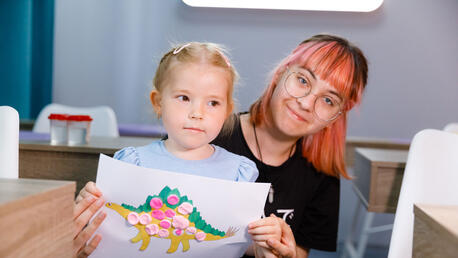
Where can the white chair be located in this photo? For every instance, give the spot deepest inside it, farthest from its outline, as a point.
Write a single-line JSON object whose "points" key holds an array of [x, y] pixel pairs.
{"points": [[452, 127], [430, 177], [9, 142], [104, 121]]}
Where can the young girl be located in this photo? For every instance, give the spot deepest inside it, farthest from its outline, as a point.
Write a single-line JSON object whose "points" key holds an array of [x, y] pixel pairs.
{"points": [[192, 95]]}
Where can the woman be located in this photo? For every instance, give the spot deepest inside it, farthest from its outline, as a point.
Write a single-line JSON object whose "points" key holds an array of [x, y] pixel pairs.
{"points": [[295, 133]]}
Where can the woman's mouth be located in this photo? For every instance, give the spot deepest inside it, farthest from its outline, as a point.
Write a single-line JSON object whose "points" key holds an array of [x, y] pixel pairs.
{"points": [[295, 115]]}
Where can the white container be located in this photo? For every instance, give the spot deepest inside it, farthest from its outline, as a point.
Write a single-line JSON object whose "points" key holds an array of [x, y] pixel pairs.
{"points": [[78, 129], [58, 128]]}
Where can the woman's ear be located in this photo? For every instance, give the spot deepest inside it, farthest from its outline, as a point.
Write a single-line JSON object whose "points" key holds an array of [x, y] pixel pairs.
{"points": [[155, 97]]}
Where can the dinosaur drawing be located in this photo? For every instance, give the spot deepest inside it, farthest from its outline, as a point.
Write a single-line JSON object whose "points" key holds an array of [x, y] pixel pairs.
{"points": [[169, 216]]}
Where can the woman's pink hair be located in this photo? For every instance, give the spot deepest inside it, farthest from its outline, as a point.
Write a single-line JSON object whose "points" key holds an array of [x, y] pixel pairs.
{"points": [[343, 66]]}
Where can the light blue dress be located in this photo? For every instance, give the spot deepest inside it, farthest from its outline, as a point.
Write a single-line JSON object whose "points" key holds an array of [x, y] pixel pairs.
{"points": [[221, 164]]}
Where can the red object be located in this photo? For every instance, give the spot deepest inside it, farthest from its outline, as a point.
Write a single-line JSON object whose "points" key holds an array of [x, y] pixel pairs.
{"points": [[79, 118], [58, 116]]}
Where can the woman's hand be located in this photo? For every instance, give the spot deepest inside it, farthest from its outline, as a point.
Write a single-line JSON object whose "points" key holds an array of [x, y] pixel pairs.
{"points": [[286, 247], [83, 211], [262, 230]]}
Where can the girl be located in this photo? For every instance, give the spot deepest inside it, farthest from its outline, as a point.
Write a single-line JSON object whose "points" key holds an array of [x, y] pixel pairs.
{"points": [[193, 96]]}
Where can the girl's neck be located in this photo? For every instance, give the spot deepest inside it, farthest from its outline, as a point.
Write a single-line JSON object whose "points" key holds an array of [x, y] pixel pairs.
{"points": [[274, 149], [199, 153]]}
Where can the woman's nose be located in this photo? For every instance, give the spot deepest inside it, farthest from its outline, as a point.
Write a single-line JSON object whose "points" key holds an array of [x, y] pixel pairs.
{"points": [[307, 102]]}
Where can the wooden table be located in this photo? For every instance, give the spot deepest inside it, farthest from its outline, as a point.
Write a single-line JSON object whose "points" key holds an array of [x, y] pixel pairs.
{"points": [[377, 183], [435, 231], [39, 159], [36, 218]]}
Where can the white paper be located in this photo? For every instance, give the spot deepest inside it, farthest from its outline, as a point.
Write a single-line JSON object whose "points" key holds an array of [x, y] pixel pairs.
{"points": [[221, 203]]}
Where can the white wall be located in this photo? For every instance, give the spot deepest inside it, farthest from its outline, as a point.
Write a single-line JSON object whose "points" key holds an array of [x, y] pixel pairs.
{"points": [[106, 53]]}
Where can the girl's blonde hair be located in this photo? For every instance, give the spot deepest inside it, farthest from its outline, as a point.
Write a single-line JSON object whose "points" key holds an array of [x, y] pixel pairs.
{"points": [[198, 53], [343, 66]]}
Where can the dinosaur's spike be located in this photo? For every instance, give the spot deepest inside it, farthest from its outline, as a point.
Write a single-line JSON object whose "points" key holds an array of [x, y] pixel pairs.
{"points": [[144, 207], [185, 199], [164, 193]]}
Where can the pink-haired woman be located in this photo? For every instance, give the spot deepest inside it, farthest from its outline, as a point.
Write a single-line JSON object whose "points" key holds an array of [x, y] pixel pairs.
{"points": [[295, 132]]}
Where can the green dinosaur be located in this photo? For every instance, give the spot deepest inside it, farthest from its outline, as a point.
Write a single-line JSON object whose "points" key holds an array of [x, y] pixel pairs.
{"points": [[170, 216]]}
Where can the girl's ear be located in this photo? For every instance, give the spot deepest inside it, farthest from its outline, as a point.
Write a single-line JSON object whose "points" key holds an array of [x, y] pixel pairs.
{"points": [[155, 97]]}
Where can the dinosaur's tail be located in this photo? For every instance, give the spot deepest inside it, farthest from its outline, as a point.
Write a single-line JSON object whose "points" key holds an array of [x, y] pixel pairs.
{"points": [[231, 231]]}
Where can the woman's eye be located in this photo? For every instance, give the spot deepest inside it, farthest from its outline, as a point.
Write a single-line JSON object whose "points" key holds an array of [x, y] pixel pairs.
{"points": [[302, 81], [183, 98], [329, 101], [213, 103]]}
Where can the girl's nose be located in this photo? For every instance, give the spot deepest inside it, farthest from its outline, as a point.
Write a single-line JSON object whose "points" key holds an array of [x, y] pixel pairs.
{"points": [[196, 112]]}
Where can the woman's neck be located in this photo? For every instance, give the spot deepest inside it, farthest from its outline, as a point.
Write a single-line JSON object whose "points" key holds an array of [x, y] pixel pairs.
{"points": [[178, 151], [273, 149]]}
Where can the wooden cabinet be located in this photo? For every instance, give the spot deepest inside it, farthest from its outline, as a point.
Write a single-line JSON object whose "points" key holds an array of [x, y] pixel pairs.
{"points": [[36, 218], [378, 176]]}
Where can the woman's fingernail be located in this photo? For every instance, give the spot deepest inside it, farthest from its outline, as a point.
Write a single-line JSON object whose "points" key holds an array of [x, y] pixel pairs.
{"points": [[102, 214], [100, 201]]}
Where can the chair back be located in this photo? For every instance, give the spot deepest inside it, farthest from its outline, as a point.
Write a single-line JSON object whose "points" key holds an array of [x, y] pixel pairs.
{"points": [[452, 128], [104, 123], [430, 177], [9, 142]]}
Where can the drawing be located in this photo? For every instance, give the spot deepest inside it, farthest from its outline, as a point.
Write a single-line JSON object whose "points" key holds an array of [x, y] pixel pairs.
{"points": [[169, 216]]}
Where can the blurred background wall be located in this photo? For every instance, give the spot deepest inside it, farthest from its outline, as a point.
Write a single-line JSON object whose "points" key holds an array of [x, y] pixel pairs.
{"points": [[105, 52]]}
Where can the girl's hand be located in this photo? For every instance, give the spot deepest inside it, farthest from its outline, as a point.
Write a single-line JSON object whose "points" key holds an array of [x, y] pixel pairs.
{"points": [[89, 190], [82, 232]]}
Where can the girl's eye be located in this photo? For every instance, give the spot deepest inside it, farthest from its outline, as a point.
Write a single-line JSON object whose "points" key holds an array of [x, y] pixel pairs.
{"points": [[183, 98], [213, 103]]}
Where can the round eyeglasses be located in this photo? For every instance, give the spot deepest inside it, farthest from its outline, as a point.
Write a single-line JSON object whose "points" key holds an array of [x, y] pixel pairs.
{"points": [[326, 107]]}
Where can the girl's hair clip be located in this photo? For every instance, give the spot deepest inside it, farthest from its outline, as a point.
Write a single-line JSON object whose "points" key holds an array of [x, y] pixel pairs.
{"points": [[225, 58], [177, 50]]}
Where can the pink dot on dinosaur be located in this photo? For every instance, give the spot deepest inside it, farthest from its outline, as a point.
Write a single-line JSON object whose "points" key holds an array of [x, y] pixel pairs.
{"points": [[158, 214], [180, 222], [200, 236], [178, 232], [191, 230], [173, 199], [170, 213], [163, 233], [185, 208], [145, 218], [165, 224], [151, 229], [156, 203], [133, 218]]}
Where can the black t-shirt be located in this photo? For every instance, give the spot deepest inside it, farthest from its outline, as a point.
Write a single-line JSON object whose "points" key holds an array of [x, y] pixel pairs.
{"points": [[306, 199]]}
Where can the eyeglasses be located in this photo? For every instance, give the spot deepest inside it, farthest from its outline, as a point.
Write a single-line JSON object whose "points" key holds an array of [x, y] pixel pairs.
{"points": [[326, 107]]}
